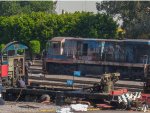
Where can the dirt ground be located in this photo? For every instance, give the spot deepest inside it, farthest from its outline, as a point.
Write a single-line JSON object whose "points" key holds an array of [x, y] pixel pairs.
{"points": [[32, 107], [27, 107]]}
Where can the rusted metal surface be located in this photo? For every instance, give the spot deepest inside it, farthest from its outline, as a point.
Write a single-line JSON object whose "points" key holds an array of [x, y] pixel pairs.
{"points": [[100, 50], [38, 92], [59, 81], [104, 106], [96, 63], [16, 62], [54, 83], [116, 54]]}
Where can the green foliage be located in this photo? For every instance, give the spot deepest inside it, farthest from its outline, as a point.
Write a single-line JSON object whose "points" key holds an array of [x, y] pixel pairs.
{"points": [[42, 26], [34, 46], [8, 8], [96, 26], [2, 47], [135, 16], [20, 51]]}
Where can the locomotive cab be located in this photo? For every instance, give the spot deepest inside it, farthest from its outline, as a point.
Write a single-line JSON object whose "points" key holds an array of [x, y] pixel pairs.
{"points": [[55, 46]]}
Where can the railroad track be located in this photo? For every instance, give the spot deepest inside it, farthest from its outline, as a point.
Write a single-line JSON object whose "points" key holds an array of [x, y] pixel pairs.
{"points": [[79, 82], [60, 81]]}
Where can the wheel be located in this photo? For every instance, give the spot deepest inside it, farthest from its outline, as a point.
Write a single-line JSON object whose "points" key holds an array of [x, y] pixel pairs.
{"points": [[45, 98]]}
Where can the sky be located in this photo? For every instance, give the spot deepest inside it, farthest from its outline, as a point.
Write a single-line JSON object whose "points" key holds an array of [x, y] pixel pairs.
{"points": [[72, 6], [78, 5]]}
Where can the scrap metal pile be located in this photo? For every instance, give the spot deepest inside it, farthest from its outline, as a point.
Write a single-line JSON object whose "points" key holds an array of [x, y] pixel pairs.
{"points": [[121, 98], [106, 83]]}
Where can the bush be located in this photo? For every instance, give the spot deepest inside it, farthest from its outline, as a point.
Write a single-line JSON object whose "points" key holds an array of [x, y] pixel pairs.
{"points": [[43, 27], [34, 47]]}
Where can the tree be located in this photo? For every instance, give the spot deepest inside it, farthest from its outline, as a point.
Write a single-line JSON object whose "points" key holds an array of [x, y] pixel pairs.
{"points": [[38, 6], [95, 26], [18, 7], [34, 47], [135, 16], [8, 8], [2, 47]]}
